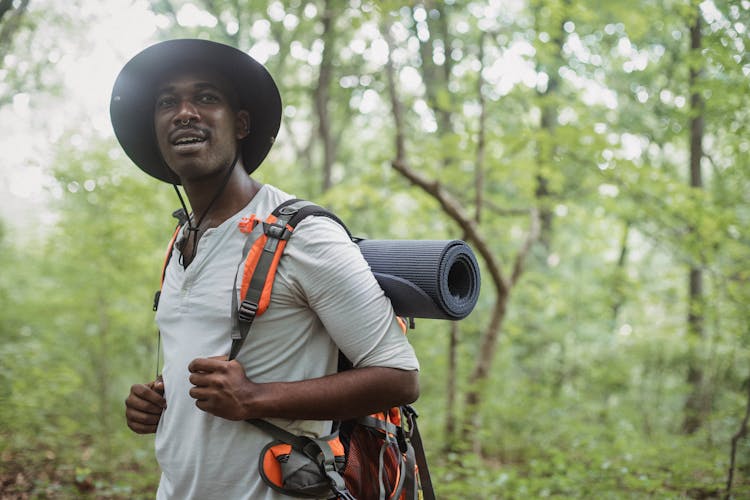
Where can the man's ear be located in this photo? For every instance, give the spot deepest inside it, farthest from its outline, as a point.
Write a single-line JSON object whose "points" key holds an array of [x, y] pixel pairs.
{"points": [[242, 125]]}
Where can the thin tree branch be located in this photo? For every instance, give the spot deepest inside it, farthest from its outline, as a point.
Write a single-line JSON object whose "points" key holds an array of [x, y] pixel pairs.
{"points": [[450, 205], [531, 237], [741, 433], [504, 212], [481, 146]]}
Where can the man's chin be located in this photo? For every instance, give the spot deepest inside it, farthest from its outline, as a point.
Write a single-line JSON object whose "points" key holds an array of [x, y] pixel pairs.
{"points": [[193, 173]]}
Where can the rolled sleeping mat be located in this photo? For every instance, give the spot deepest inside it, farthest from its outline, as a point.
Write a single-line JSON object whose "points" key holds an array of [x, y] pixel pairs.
{"points": [[436, 279]]}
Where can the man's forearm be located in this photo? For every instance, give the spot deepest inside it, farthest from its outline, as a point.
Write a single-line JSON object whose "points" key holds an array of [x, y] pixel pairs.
{"points": [[221, 388], [347, 394]]}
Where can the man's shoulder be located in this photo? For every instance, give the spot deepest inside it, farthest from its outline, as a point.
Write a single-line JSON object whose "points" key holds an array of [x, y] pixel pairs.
{"points": [[269, 197]]}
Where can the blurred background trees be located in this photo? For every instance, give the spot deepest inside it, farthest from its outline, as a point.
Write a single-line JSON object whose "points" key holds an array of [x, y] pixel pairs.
{"points": [[594, 154]]}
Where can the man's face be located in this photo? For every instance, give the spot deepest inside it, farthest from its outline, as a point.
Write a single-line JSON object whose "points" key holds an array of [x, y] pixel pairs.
{"points": [[197, 125]]}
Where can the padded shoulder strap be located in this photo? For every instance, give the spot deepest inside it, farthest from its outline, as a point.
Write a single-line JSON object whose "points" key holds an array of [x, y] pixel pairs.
{"points": [[302, 209], [261, 257]]}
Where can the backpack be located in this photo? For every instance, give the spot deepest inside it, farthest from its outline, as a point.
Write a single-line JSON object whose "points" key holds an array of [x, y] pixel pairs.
{"points": [[379, 456]]}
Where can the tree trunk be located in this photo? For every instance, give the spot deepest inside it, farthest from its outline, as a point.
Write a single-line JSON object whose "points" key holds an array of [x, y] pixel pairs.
{"points": [[11, 16], [436, 77], [101, 361], [481, 137], [619, 278], [450, 403], [696, 405], [545, 147], [481, 371], [322, 96]]}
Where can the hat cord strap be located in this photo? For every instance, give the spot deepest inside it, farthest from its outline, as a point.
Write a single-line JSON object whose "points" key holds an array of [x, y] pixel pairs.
{"points": [[191, 227]]}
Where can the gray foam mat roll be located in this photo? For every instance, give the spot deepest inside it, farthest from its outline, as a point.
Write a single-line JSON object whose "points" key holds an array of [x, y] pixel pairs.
{"points": [[425, 278]]}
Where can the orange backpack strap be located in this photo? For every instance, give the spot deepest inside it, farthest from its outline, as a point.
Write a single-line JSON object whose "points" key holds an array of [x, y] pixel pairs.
{"points": [[260, 259], [181, 217]]}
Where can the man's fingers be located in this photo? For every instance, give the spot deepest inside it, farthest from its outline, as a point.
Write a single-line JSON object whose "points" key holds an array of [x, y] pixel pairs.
{"points": [[199, 393], [158, 386], [203, 379], [144, 406], [141, 428], [141, 395], [211, 364], [199, 365], [142, 417], [142, 422], [202, 405]]}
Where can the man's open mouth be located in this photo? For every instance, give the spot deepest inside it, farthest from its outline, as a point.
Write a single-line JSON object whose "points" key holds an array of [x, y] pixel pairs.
{"points": [[188, 140]]}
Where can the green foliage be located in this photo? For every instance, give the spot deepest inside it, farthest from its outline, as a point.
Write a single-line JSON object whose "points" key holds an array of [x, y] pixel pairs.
{"points": [[81, 327], [589, 100], [30, 40]]}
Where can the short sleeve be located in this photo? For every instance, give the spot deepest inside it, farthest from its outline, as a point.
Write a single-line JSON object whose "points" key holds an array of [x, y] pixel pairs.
{"points": [[329, 271]]}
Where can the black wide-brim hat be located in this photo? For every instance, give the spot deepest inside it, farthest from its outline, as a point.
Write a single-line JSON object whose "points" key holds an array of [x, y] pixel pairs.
{"points": [[133, 98]]}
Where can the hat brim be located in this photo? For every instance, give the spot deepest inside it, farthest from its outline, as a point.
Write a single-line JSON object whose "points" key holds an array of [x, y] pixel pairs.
{"points": [[133, 97]]}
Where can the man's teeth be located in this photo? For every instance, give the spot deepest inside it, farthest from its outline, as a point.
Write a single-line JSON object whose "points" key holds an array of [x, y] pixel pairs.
{"points": [[188, 140]]}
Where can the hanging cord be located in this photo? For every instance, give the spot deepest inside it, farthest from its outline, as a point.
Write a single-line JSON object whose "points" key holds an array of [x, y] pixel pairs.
{"points": [[158, 354], [194, 229]]}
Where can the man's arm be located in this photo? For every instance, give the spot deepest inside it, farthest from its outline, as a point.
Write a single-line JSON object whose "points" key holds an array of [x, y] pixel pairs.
{"points": [[222, 389], [329, 274]]}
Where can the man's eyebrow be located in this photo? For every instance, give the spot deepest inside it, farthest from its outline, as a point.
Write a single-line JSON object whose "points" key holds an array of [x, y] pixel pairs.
{"points": [[197, 86], [207, 85]]}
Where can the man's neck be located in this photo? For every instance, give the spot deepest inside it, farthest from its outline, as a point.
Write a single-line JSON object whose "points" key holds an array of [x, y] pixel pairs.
{"points": [[239, 190]]}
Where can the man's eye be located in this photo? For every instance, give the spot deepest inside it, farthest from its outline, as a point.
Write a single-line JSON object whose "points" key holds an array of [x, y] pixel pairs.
{"points": [[165, 102], [208, 99]]}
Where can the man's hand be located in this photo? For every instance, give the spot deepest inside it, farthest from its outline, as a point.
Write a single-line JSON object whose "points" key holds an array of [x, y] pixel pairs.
{"points": [[219, 387], [144, 406]]}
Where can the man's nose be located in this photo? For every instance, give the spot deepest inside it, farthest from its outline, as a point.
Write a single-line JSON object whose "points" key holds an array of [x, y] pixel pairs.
{"points": [[186, 111]]}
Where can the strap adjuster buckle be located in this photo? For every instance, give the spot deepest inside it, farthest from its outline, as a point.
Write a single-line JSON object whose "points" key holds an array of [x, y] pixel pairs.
{"points": [[288, 210], [247, 311], [277, 230]]}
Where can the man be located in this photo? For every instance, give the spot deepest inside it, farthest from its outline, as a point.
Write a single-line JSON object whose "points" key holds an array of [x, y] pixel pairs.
{"points": [[204, 115]]}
